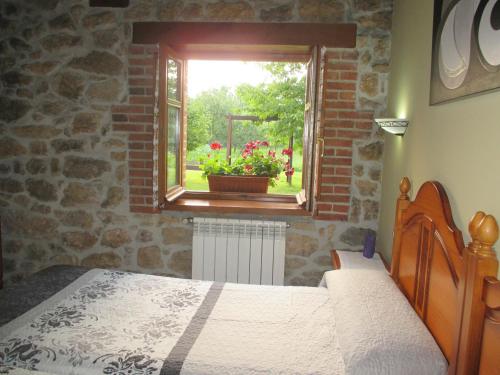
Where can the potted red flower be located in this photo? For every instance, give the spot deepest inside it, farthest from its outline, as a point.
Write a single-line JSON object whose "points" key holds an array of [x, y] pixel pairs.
{"points": [[253, 171]]}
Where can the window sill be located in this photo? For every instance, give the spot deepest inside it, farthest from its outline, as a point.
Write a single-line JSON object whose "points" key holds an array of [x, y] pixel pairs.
{"points": [[262, 204]]}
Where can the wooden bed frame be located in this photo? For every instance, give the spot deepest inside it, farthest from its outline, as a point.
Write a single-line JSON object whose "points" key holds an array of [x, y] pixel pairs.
{"points": [[452, 288]]}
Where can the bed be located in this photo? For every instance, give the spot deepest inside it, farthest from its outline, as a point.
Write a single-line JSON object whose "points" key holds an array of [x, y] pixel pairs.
{"points": [[437, 312]]}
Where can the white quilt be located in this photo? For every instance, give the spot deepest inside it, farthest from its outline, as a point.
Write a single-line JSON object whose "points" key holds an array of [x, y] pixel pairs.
{"points": [[122, 323]]}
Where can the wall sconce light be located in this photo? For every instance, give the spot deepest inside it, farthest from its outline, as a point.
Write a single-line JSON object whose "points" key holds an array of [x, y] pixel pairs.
{"points": [[393, 125]]}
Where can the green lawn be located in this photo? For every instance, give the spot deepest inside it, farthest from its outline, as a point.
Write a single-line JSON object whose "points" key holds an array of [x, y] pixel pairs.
{"points": [[194, 181]]}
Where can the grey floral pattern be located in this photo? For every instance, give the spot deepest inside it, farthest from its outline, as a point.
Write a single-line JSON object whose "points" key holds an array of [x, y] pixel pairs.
{"points": [[23, 353], [177, 299], [62, 316], [105, 322], [126, 363]]}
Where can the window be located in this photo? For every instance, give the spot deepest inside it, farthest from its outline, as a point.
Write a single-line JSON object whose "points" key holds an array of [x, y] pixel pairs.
{"points": [[173, 133], [240, 102], [172, 124]]}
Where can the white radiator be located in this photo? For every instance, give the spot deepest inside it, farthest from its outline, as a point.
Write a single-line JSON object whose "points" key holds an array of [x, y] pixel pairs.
{"points": [[239, 251]]}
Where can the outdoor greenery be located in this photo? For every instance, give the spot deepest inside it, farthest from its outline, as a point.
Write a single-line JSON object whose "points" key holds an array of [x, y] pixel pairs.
{"points": [[281, 100]]}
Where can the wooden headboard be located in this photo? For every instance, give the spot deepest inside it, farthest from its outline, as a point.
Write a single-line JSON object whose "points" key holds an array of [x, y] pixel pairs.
{"points": [[444, 280]]}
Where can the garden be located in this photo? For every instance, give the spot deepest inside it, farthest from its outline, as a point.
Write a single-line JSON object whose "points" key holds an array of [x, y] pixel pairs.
{"points": [[265, 122]]}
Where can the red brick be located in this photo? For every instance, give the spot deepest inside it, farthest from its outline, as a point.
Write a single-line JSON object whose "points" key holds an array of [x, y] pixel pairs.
{"points": [[140, 61], [344, 104], [368, 125], [341, 199], [140, 137], [343, 152], [340, 208], [329, 133], [347, 95], [337, 161], [141, 118], [341, 189], [141, 82], [140, 191], [340, 142], [342, 124], [141, 100], [327, 171], [326, 189], [339, 171], [136, 50], [125, 127], [330, 96], [136, 146], [136, 71], [332, 76], [139, 172], [348, 76], [136, 200], [341, 86], [140, 164], [136, 181], [343, 66], [342, 180], [324, 206], [137, 91], [119, 117], [127, 109], [141, 155], [350, 55], [353, 134]]}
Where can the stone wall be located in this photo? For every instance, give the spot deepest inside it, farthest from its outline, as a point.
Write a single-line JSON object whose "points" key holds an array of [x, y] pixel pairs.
{"points": [[68, 168]]}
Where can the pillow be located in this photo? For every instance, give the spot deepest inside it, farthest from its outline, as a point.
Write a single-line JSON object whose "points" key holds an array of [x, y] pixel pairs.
{"points": [[378, 331]]}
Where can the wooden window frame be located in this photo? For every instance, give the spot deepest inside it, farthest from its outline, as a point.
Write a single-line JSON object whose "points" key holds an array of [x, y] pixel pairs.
{"points": [[180, 199], [171, 194], [247, 41]]}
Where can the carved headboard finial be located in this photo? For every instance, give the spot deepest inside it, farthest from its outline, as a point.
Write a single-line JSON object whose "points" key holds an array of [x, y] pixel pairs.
{"points": [[484, 233], [404, 188]]}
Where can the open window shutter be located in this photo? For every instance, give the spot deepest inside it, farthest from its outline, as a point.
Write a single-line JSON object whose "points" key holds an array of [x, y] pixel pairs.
{"points": [[312, 149], [319, 139], [172, 124]]}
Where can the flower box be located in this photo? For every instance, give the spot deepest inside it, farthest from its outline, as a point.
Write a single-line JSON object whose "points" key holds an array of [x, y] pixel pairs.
{"points": [[238, 184]]}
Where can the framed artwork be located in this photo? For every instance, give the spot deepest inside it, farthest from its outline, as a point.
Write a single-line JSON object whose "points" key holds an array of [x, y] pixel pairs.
{"points": [[465, 48]]}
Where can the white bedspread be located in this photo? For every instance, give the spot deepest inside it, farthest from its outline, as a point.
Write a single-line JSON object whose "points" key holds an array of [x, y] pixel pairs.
{"points": [[116, 322]]}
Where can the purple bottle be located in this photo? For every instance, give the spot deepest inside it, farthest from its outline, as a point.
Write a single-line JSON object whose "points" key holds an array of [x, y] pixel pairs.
{"points": [[369, 245]]}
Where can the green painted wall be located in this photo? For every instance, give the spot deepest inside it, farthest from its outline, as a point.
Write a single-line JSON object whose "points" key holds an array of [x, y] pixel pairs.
{"points": [[456, 143]]}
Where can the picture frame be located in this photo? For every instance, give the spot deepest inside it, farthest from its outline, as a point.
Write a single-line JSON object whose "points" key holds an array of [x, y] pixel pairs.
{"points": [[465, 49]]}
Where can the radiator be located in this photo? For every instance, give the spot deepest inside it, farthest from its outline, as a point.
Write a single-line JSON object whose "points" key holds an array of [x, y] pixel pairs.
{"points": [[239, 251]]}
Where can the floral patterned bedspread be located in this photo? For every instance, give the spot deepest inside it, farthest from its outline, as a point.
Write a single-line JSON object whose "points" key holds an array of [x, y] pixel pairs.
{"points": [[112, 322]]}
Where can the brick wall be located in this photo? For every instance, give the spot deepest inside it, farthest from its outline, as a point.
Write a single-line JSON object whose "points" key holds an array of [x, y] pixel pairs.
{"points": [[135, 118], [341, 125]]}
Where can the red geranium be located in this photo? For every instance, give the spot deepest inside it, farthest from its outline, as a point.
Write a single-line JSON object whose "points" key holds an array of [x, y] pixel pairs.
{"points": [[287, 151], [252, 145], [215, 146], [264, 144], [290, 172], [272, 154]]}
